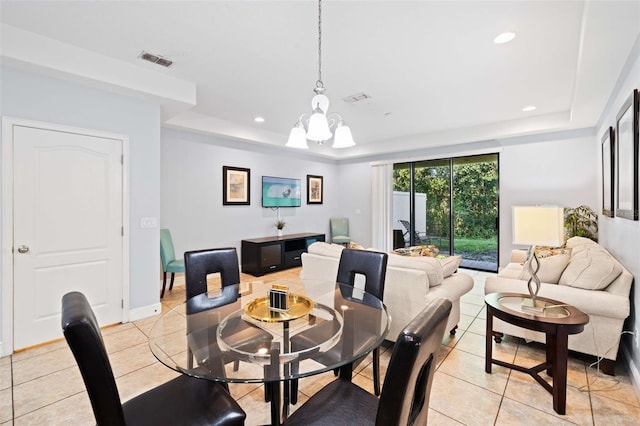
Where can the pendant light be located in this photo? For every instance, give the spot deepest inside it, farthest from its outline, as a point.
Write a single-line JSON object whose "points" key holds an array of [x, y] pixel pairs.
{"points": [[319, 123]]}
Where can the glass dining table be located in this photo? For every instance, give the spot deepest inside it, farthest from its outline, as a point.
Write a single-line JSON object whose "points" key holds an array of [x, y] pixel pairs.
{"points": [[241, 339]]}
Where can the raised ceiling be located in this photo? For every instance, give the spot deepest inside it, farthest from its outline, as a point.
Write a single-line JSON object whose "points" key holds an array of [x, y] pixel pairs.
{"points": [[434, 75]]}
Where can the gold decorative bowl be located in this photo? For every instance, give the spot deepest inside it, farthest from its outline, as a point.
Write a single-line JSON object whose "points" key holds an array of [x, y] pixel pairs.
{"points": [[260, 310]]}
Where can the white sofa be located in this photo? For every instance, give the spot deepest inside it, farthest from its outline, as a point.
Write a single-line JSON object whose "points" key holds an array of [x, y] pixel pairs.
{"points": [[410, 282], [587, 277]]}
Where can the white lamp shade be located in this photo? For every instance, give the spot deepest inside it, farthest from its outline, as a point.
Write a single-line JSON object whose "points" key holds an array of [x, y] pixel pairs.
{"points": [[539, 225], [297, 138], [342, 137], [318, 127]]}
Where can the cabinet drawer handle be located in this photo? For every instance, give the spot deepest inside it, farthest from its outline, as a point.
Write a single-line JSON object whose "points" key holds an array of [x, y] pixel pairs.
{"points": [[296, 258], [272, 267]]}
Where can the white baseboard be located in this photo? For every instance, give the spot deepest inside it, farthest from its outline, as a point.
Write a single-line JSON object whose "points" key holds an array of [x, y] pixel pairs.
{"points": [[145, 312], [633, 370]]}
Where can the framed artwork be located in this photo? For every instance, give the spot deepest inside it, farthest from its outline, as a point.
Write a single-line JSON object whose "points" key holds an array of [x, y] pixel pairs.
{"points": [[314, 189], [608, 166], [627, 159], [236, 186]]}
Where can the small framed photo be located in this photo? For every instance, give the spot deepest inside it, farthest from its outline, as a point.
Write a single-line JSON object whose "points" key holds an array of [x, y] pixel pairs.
{"points": [[236, 186], [608, 166], [314, 189], [627, 158]]}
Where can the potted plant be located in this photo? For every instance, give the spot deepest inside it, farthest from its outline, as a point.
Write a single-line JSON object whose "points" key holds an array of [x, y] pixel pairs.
{"points": [[280, 226], [581, 222]]}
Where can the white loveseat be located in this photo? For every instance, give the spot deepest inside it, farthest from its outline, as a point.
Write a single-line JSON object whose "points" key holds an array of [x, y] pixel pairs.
{"points": [[587, 277], [410, 282]]}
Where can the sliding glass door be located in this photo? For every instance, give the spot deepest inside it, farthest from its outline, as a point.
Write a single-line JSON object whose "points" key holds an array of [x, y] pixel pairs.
{"points": [[451, 203]]}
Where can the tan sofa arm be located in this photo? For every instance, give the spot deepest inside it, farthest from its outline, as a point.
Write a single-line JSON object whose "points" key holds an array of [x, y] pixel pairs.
{"points": [[518, 256]]}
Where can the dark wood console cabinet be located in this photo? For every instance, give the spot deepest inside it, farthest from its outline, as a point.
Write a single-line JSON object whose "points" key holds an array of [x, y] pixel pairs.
{"points": [[262, 255]]}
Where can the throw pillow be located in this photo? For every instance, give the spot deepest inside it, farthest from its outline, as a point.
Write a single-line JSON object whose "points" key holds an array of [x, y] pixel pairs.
{"points": [[355, 246], [450, 265], [430, 265], [545, 251], [590, 273], [551, 268]]}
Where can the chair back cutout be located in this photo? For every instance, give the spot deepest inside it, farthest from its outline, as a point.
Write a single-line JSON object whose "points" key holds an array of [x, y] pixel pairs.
{"points": [[200, 263], [407, 384], [371, 264]]}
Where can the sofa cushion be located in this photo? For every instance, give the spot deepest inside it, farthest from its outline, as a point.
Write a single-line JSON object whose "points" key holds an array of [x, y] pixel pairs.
{"points": [[551, 268], [325, 249], [430, 265], [580, 241], [590, 273], [450, 265]]}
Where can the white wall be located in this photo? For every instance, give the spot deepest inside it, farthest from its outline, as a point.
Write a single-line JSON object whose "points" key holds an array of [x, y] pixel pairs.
{"points": [[36, 97], [560, 170], [622, 236], [355, 200], [191, 201]]}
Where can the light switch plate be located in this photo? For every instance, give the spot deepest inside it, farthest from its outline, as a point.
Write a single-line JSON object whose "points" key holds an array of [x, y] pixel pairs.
{"points": [[148, 222]]}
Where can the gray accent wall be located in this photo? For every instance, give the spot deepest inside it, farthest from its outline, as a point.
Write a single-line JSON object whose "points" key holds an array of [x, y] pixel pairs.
{"points": [[191, 181], [622, 236]]}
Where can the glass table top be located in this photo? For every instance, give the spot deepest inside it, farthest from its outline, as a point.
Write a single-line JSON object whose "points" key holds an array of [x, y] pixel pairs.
{"points": [[225, 343], [549, 309]]}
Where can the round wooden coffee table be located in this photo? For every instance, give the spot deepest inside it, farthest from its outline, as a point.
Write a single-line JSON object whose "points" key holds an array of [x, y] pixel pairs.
{"points": [[558, 320]]}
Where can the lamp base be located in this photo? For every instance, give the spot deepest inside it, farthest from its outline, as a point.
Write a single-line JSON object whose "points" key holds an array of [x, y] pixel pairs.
{"points": [[529, 306]]}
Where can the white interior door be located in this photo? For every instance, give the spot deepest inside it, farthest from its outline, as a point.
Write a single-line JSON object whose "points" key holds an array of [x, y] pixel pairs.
{"points": [[68, 224]]}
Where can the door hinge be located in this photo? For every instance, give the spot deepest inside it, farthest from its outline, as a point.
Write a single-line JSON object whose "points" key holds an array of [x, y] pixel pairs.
{"points": [[122, 159], [122, 303], [122, 231]]}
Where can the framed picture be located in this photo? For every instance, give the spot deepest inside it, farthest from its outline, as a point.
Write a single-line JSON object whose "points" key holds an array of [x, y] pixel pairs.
{"points": [[314, 189], [608, 166], [627, 159], [236, 186]]}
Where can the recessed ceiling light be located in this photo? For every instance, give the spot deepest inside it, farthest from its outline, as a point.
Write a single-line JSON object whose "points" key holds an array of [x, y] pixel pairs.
{"points": [[529, 108], [504, 38], [259, 119]]}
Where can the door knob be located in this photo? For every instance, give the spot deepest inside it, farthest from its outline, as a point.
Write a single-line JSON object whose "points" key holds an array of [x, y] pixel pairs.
{"points": [[23, 249]]}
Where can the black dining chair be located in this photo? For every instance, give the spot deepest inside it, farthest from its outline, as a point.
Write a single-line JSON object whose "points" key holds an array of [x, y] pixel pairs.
{"points": [[198, 265], [405, 393], [373, 266], [183, 400]]}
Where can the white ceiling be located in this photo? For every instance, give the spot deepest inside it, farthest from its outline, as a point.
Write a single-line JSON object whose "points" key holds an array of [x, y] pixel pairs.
{"points": [[431, 67]]}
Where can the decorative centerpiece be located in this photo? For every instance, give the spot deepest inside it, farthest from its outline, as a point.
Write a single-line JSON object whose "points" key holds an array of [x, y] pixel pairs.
{"points": [[280, 226], [279, 298]]}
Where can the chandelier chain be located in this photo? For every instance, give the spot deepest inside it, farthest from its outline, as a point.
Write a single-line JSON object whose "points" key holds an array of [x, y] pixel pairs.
{"points": [[319, 82]]}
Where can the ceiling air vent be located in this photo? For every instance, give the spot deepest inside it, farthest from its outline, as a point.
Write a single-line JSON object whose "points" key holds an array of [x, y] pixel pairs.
{"points": [[156, 59], [358, 97]]}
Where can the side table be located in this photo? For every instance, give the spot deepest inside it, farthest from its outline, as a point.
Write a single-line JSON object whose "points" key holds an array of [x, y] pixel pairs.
{"points": [[557, 321]]}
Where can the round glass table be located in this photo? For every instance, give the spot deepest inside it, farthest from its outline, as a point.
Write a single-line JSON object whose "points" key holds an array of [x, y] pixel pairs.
{"points": [[234, 341]]}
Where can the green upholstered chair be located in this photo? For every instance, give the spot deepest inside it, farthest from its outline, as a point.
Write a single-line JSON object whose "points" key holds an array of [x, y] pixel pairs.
{"points": [[340, 230], [169, 261]]}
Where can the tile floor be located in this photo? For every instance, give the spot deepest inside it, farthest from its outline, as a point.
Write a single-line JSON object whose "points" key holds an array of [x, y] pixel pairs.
{"points": [[42, 386]]}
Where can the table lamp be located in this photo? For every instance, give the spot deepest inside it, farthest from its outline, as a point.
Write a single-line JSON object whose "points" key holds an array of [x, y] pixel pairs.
{"points": [[537, 226]]}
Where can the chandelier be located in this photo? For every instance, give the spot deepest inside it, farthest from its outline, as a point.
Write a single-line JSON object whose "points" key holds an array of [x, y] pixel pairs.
{"points": [[319, 123]]}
